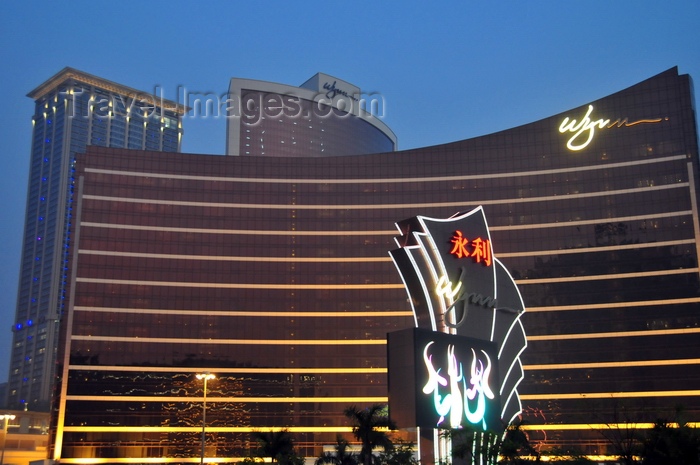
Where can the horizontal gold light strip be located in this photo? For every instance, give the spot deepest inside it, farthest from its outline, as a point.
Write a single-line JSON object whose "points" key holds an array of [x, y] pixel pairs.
{"points": [[595, 221], [148, 460], [144, 460], [220, 258], [252, 232], [625, 364], [532, 253], [392, 232], [595, 426], [610, 395], [198, 429], [644, 274], [383, 206], [133, 282], [228, 400], [248, 313], [520, 282], [263, 342], [590, 250], [387, 180], [651, 332], [604, 306], [219, 371], [372, 314]]}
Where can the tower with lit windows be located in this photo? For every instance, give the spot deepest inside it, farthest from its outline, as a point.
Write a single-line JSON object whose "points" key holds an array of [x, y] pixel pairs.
{"points": [[73, 110], [323, 117]]}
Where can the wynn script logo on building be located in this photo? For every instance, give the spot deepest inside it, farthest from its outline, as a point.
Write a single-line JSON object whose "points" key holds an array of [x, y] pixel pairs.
{"points": [[334, 91], [458, 288], [584, 129]]}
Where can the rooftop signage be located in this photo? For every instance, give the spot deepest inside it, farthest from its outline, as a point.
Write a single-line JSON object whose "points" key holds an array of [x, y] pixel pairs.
{"points": [[584, 130], [457, 289], [333, 91]]}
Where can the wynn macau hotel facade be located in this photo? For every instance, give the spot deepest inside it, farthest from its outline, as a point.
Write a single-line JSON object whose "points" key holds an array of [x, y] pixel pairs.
{"points": [[273, 274]]}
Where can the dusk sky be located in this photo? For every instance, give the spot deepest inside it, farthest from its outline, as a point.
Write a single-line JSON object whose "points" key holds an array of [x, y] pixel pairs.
{"points": [[446, 71]]}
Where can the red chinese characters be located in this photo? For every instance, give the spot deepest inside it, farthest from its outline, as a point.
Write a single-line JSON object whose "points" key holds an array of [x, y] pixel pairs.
{"points": [[478, 249]]}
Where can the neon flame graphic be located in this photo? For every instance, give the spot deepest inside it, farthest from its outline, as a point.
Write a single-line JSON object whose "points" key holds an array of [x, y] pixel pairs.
{"points": [[479, 382], [442, 406], [454, 370], [459, 393]]}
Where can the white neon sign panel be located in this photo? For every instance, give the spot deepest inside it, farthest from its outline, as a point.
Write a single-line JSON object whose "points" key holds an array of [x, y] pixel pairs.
{"points": [[584, 130]]}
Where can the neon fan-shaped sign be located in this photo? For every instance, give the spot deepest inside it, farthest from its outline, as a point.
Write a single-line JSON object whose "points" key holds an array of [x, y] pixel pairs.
{"points": [[458, 288]]}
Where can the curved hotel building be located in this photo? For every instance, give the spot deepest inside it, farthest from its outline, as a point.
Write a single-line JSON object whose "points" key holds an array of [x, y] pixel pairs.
{"points": [[272, 273]]}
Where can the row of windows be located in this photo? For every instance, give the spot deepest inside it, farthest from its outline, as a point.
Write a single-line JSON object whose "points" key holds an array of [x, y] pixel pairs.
{"points": [[621, 235], [318, 131], [588, 265], [615, 348], [517, 185], [208, 326], [220, 355], [612, 318], [609, 380]]}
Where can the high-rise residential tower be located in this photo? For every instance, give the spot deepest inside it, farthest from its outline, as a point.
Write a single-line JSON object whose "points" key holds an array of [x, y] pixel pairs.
{"points": [[73, 110]]}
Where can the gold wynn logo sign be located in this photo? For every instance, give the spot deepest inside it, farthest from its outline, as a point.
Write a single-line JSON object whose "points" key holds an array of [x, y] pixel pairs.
{"points": [[584, 130]]}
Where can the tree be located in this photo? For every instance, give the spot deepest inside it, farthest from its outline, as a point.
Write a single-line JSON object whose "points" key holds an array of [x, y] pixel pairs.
{"points": [[512, 447], [369, 428], [567, 456], [622, 433], [516, 444], [251, 461], [401, 454], [341, 455], [473, 445], [278, 445], [670, 444]]}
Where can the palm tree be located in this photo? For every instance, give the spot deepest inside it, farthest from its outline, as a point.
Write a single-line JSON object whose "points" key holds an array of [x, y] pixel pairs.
{"points": [[368, 428], [668, 443], [274, 444], [341, 455]]}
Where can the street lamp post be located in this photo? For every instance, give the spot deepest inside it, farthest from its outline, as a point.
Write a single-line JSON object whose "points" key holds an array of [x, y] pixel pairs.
{"points": [[206, 376], [5, 420]]}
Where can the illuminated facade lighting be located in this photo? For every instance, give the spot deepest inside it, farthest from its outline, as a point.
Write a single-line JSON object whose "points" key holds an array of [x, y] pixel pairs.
{"points": [[5, 421], [86, 110], [187, 264], [205, 377]]}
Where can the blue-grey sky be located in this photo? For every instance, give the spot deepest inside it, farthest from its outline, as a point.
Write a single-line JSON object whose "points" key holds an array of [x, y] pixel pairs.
{"points": [[447, 71]]}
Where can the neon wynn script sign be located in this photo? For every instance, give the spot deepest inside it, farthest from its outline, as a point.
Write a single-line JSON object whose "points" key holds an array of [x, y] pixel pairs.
{"points": [[584, 130]]}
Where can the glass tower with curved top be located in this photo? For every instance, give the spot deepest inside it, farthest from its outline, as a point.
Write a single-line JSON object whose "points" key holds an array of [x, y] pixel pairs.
{"points": [[73, 110]]}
